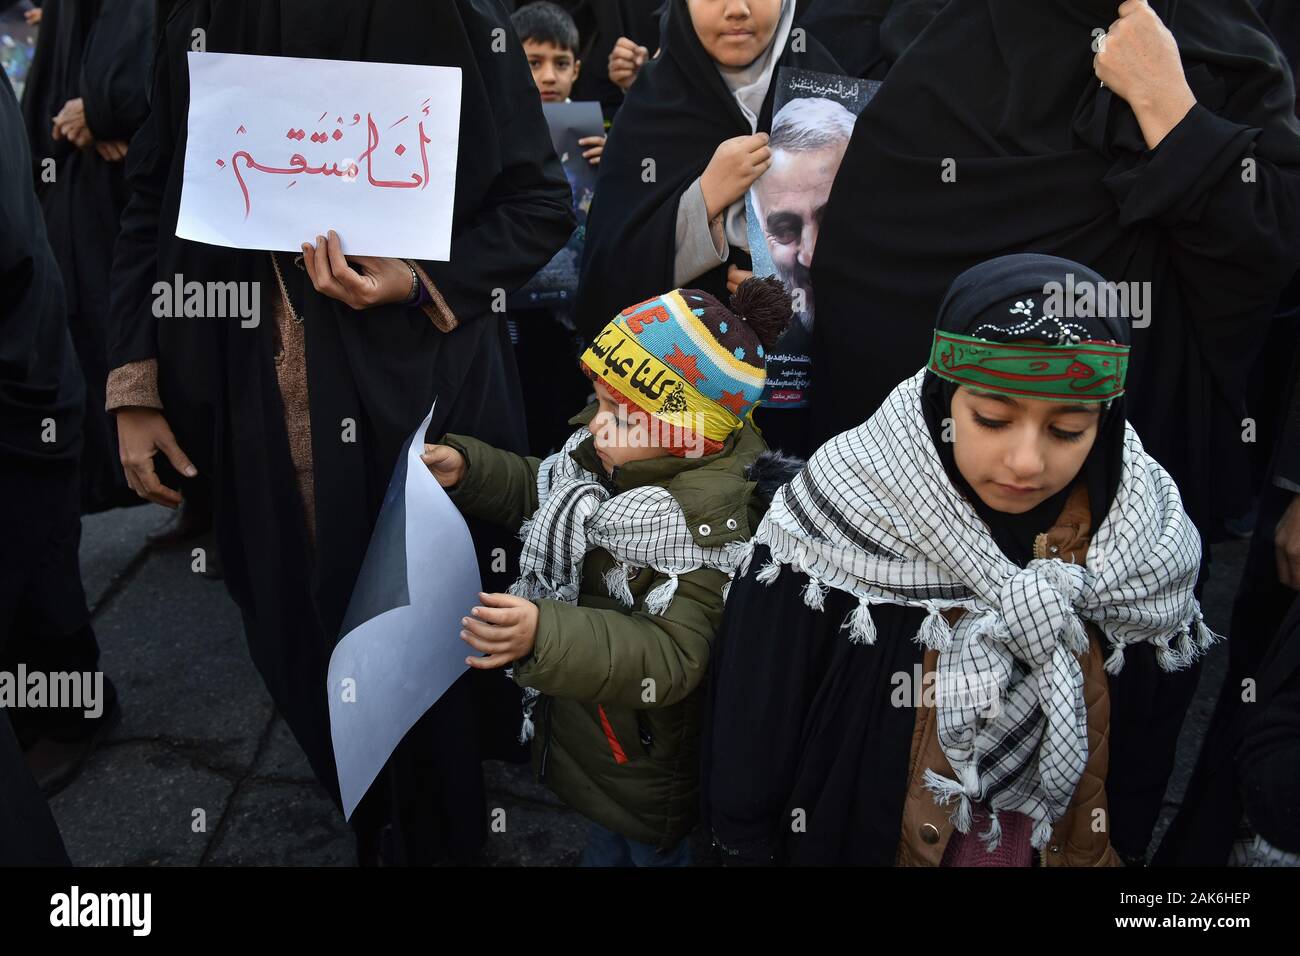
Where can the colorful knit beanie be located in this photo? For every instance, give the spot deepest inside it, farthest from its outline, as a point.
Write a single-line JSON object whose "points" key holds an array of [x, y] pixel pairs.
{"points": [[691, 363]]}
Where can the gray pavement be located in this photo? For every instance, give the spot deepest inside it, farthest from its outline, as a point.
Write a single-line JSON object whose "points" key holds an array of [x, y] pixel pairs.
{"points": [[202, 771]]}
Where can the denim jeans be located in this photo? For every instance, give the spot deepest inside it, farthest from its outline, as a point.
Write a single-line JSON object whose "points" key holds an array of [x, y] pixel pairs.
{"points": [[607, 848]]}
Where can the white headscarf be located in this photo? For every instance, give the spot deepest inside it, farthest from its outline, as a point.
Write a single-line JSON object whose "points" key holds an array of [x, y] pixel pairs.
{"points": [[749, 85]]}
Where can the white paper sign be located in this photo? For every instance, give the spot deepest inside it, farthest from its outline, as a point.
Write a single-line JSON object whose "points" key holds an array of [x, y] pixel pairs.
{"points": [[283, 149], [401, 648]]}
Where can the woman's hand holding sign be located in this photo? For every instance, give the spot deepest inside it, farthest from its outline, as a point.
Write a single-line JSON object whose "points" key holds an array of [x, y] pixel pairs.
{"points": [[380, 281]]}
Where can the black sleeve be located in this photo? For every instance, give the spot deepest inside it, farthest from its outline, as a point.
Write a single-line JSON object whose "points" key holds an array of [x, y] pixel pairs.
{"points": [[115, 68], [1147, 709], [1270, 756], [1227, 198], [526, 216], [1287, 463], [28, 833], [132, 325], [1269, 750]]}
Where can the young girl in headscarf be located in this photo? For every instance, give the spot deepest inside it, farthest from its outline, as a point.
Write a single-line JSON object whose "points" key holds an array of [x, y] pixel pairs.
{"points": [[686, 146], [914, 667]]}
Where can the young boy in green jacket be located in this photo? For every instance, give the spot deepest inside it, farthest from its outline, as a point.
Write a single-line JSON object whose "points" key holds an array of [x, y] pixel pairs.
{"points": [[630, 535]]}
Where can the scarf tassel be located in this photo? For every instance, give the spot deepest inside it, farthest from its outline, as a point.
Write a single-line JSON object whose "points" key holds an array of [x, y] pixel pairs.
{"points": [[1115, 662], [1205, 637], [936, 632], [768, 573], [861, 625], [1042, 833], [525, 526], [1196, 639], [525, 586], [992, 837], [814, 594], [658, 600], [526, 729], [740, 554], [962, 792], [616, 583], [1076, 634], [1167, 656]]}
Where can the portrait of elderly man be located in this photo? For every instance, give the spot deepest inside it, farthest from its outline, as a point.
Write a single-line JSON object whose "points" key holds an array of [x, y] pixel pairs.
{"points": [[809, 137]]}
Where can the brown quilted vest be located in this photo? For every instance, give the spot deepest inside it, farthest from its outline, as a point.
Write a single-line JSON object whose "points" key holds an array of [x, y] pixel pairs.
{"points": [[1081, 836]]}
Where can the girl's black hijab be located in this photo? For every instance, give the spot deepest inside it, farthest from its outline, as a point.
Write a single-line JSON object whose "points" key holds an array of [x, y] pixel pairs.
{"points": [[981, 298], [675, 115]]}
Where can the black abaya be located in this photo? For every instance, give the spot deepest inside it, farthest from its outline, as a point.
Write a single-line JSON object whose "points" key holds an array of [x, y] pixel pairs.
{"points": [[1046, 161], [1283, 20], [41, 396], [799, 719], [866, 37], [99, 51]]}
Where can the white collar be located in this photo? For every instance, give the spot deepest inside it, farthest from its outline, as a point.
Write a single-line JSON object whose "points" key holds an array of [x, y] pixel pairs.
{"points": [[749, 84]]}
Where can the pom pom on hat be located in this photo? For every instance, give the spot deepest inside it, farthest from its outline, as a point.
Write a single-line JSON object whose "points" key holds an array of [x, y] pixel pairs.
{"points": [[765, 306]]}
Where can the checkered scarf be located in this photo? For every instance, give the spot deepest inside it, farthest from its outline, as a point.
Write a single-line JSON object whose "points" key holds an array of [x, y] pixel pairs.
{"points": [[641, 528], [1012, 719]]}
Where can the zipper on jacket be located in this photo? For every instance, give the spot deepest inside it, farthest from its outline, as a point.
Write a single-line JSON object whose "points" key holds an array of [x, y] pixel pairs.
{"points": [[615, 747]]}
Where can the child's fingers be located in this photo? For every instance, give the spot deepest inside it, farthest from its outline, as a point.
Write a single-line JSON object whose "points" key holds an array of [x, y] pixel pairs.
{"points": [[484, 630], [489, 663], [501, 616], [483, 646], [438, 456], [499, 599]]}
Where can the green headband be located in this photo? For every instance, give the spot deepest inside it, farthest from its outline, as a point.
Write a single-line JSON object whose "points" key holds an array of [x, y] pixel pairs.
{"points": [[1080, 372]]}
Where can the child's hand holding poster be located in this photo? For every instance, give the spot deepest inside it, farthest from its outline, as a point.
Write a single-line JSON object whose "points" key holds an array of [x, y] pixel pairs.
{"points": [[812, 120], [281, 149], [400, 648]]}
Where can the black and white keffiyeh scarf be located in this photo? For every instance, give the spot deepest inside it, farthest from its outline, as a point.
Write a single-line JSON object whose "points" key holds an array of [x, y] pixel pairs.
{"points": [[641, 528], [875, 515]]}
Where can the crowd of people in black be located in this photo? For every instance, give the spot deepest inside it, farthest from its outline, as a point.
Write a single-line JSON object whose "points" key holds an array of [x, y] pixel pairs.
{"points": [[984, 483]]}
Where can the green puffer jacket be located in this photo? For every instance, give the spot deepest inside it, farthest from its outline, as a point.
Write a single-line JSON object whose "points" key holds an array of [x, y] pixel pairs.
{"points": [[618, 725]]}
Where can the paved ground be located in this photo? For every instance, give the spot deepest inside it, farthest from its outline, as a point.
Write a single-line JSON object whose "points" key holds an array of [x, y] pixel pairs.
{"points": [[202, 771]]}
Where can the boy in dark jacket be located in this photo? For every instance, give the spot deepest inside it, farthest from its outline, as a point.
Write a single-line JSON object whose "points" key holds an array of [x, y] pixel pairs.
{"points": [[630, 536], [546, 342]]}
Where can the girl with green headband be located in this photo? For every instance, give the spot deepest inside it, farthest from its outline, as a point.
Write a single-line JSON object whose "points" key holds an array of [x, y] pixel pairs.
{"points": [[939, 650]]}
